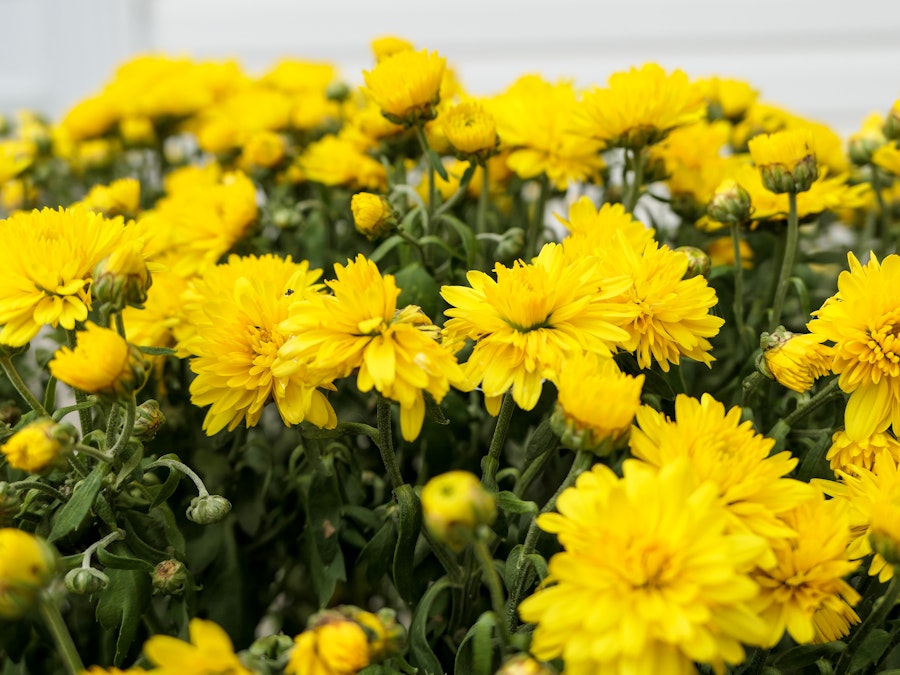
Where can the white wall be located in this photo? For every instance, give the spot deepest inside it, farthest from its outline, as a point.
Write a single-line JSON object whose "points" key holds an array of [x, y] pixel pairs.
{"points": [[829, 59]]}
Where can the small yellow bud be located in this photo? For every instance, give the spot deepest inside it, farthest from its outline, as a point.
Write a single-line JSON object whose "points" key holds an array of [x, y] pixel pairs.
{"points": [[122, 278], [794, 360], [332, 644], [454, 504], [27, 566], [730, 204], [39, 446], [863, 144], [698, 262], [372, 214]]}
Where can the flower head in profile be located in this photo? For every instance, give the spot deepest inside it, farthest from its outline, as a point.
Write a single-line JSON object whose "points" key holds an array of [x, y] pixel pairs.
{"points": [[373, 215], [39, 446], [530, 318], [360, 327], [727, 98], [796, 360], [454, 505], [407, 85], [639, 107], [333, 645], [235, 310], [650, 578], [847, 456], [102, 362], [209, 652], [471, 129], [27, 566], [863, 322], [786, 160]]}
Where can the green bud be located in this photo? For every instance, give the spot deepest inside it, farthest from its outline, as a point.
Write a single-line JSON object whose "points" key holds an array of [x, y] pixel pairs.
{"points": [[147, 420], [511, 244], [170, 577], [730, 204], [86, 580], [698, 262], [208, 509], [337, 91], [780, 179], [271, 647], [10, 502]]}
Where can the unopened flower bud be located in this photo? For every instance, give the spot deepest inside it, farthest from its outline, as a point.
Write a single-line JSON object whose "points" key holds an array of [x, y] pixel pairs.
{"points": [[786, 160], [386, 636], [863, 144], [9, 503], [523, 664], [372, 214], [891, 126], [148, 419], [39, 446], [208, 509], [170, 577], [86, 580], [271, 647], [794, 360], [27, 566], [337, 91], [454, 505], [698, 262], [730, 204], [122, 278], [511, 244]]}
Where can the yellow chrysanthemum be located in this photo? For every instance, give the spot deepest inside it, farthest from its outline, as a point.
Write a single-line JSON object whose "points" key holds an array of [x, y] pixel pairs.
{"points": [[333, 648], [639, 107], [120, 198], [360, 327], [592, 230], [596, 403], [671, 314], [209, 652], [888, 158], [407, 85], [530, 318], [373, 215], [38, 446], [454, 505], [158, 323], [727, 98], [846, 455], [730, 454], [15, 156], [805, 593], [650, 579], [796, 360], [263, 149], [388, 45], [863, 322], [102, 362], [339, 161], [721, 252], [27, 565], [48, 259], [470, 129], [533, 121], [786, 160]]}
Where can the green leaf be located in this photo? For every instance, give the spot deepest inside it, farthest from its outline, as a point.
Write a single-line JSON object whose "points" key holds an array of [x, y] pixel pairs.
{"points": [[375, 556], [70, 517], [541, 440], [510, 503], [804, 655], [324, 576], [871, 649], [157, 351], [469, 241], [475, 655], [438, 165], [161, 493], [323, 508], [123, 561], [409, 525], [121, 606], [418, 287], [385, 247], [419, 645]]}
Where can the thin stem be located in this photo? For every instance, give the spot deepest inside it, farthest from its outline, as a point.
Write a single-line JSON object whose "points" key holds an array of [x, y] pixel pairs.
{"points": [[738, 282], [93, 452], [481, 213], [432, 188], [127, 427], [536, 226], [61, 636], [40, 487], [386, 442], [787, 265], [491, 461], [84, 414], [875, 619], [495, 587], [120, 325], [821, 398], [13, 375], [175, 465], [533, 470], [112, 422], [103, 543], [59, 413], [634, 190]]}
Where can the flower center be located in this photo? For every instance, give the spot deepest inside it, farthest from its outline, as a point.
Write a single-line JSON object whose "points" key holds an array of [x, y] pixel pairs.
{"points": [[884, 345], [264, 342]]}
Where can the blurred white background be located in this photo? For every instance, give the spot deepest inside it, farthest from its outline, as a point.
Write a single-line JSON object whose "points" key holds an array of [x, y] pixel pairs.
{"points": [[832, 60]]}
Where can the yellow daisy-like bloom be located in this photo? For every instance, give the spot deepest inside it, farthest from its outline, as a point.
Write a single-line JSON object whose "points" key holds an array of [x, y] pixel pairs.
{"points": [[727, 98], [805, 592], [27, 565], [102, 362], [48, 260], [650, 579], [721, 252], [236, 310], [888, 158], [671, 314], [37, 446], [360, 327], [263, 149], [338, 647], [534, 120], [730, 454], [340, 161], [388, 45], [592, 230], [120, 198], [596, 403], [786, 160], [846, 455], [529, 319], [639, 107], [863, 322], [470, 129], [15, 156], [454, 504], [373, 215], [407, 85], [209, 652], [796, 360]]}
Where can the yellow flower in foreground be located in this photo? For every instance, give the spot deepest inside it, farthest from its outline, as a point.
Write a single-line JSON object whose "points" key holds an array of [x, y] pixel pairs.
{"points": [[359, 326], [209, 652], [407, 85], [863, 320], [786, 160], [796, 360], [639, 107], [847, 455], [337, 647], [27, 565], [650, 579], [470, 129], [102, 362], [38, 446], [530, 319], [805, 592], [48, 258], [454, 504]]}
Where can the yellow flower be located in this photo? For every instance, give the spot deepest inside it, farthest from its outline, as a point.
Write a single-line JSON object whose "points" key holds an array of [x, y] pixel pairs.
{"points": [[796, 360], [209, 652], [235, 310], [407, 85], [372, 214], [112, 670], [786, 160], [529, 319], [650, 579], [121, 197], [454, 504], [863, 143], [596, 403], [15, 156], [388, 45], [337, 647], [721, 252], [38, 446], [123, 278], [359, 326], [159, 322], [339, 161], [102, 362], [592, 230], [263, 149], [137, 131], [888, 158], [639, 107], [522, 664], [27, 565], [726, 98], [90, 117], [730, 454], [805, 593], [863, 320], [48, 258], [846, 455], [470, 129]]}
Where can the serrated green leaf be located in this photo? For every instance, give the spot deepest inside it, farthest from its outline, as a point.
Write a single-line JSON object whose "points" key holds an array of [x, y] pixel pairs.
{"points": [[70, 517], [123, 561], [420, 650], [409, 526], [121, 605], [510, 503]]}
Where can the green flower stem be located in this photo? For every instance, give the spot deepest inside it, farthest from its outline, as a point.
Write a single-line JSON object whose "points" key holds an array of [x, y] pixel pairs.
{"points": [[446, 558], [495, 588], [787, 265], [59, 413], [426, 151], [93, 452], [120, 325], [84, 414], [481, 213], [127, 426], [738, 283], [103, 543], [634, 190], [175, 465], [386, 442], [60, 632], [828, 392], [343, 429], [25, 485], [13, 375], [491, 461], [534, 469], [580, 464], [536, 226], [454, 198], [874, 620]]}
